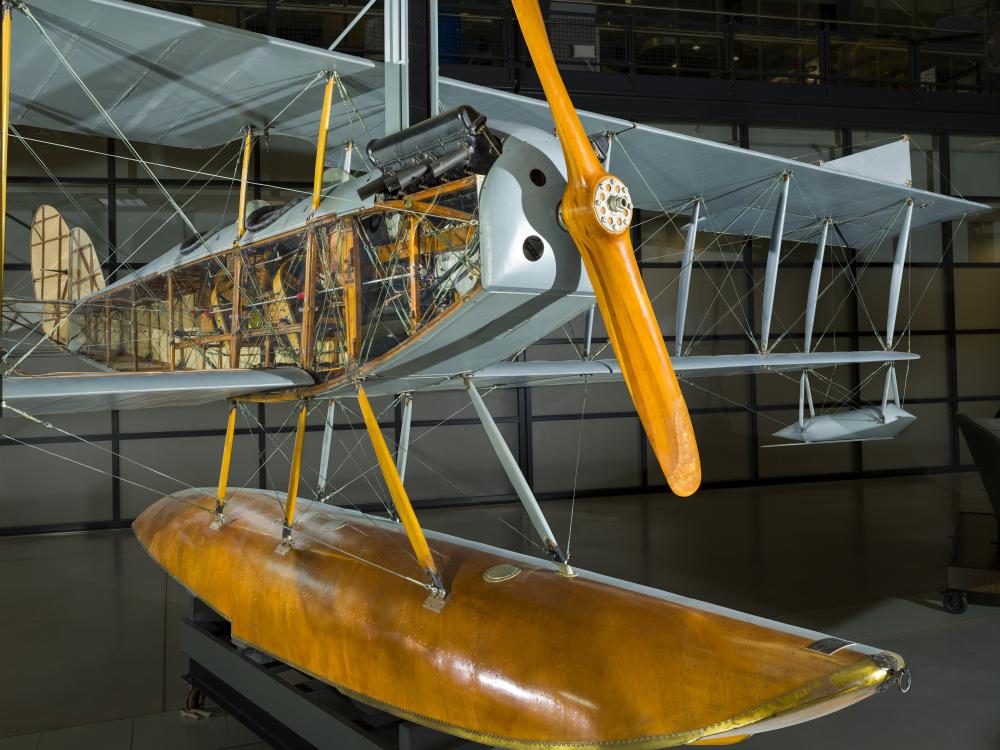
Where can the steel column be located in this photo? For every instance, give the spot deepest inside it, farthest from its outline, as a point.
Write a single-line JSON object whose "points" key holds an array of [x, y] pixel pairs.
{"points": [[396, 44]]}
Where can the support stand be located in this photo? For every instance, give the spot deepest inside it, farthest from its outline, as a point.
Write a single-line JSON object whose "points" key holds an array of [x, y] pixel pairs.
{"points": [[287, 709]]}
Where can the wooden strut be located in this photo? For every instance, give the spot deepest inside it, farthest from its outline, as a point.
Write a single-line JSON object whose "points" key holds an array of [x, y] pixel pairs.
{"points": [[293, 478], [324, 126], [4, 127], [227, 455], [400, 499]]}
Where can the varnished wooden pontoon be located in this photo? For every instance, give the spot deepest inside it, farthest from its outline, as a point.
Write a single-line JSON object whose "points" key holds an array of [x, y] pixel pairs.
{"points": [[519, 656]]}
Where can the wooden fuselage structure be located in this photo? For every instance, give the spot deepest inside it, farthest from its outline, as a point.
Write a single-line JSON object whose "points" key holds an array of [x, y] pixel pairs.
{"points": [[403, 293]]}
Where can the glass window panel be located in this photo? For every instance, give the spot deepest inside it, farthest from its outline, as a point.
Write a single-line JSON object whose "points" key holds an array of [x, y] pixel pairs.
{"points": [[719, 391], [720, 133], [148, 227], [810, 146], [724, 447], [716, 301], [501, 402], [40, 483], [858, 59], [170, 163], [926, 442], [830, 385], [293, 159], [798, 460], [608, 454], [921, 299], [456, 461], [190, 461], [926, 377], [80, 205], [977, 238], [977, 304], [833, 306], [975, 165], [978, 364], [65, 154]]}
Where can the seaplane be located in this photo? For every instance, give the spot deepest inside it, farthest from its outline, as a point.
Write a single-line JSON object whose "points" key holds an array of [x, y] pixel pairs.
{"points": [[428, 257]]}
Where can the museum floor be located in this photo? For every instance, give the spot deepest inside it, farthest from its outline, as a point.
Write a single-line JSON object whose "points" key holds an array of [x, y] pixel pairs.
{"points": [[91, 660]]}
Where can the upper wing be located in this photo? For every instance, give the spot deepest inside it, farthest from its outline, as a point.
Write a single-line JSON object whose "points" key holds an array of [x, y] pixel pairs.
{"points": [[665, 170], [179, 81], [92, 392], [165, 78]]}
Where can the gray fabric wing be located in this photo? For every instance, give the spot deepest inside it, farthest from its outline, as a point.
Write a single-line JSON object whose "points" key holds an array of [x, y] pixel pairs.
{"points": [[95, 392]]}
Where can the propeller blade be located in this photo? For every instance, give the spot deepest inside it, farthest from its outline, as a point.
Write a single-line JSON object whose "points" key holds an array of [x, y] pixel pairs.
{"points": [[597, 211]]}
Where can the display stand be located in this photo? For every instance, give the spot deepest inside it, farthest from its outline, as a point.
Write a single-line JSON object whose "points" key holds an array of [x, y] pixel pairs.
{"points": [[284, 707], [975, 556]]}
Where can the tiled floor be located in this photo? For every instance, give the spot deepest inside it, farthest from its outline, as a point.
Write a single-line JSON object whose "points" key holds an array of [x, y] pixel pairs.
{"points": [[90, 623]]}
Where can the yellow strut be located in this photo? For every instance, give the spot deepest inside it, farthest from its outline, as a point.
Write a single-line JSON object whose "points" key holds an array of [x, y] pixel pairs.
{"points": [[4, 127], [241, 221], [324, 126], [400, 499], [411, 243], [293, 476], [227, 455]]}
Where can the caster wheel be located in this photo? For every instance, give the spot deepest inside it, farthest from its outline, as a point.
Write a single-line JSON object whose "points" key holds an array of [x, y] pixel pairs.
{"points": [[955, 602]]}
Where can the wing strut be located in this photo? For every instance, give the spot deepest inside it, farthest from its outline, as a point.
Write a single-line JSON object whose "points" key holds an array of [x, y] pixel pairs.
{"points": [[241, 219], [773, 259], [324, 456], [324, 127], [516, 478], [401, 501], [403, 449], [684, 287]]}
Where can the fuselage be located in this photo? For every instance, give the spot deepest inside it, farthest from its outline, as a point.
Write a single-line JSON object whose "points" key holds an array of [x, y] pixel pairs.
{"points": [[403, 292]]}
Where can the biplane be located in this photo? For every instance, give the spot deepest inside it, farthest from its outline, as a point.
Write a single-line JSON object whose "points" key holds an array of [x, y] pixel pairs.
{"points": [[427, 258]]}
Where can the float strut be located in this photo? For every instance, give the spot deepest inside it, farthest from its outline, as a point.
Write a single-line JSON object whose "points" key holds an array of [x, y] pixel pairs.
{"points": [[403, 449], [401, 500], [515, 476], [227, 455], [324, 456], [293, 479]]}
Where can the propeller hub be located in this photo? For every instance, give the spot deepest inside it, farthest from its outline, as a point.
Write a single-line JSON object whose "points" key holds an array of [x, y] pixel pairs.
{"points": [[613, 205]]}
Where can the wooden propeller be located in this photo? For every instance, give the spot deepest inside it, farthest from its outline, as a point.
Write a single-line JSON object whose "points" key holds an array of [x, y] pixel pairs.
{"points": [[597, 211]]}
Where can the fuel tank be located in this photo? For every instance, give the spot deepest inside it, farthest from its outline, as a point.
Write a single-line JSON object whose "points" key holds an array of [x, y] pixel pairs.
{"points": [[519, 655]]}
